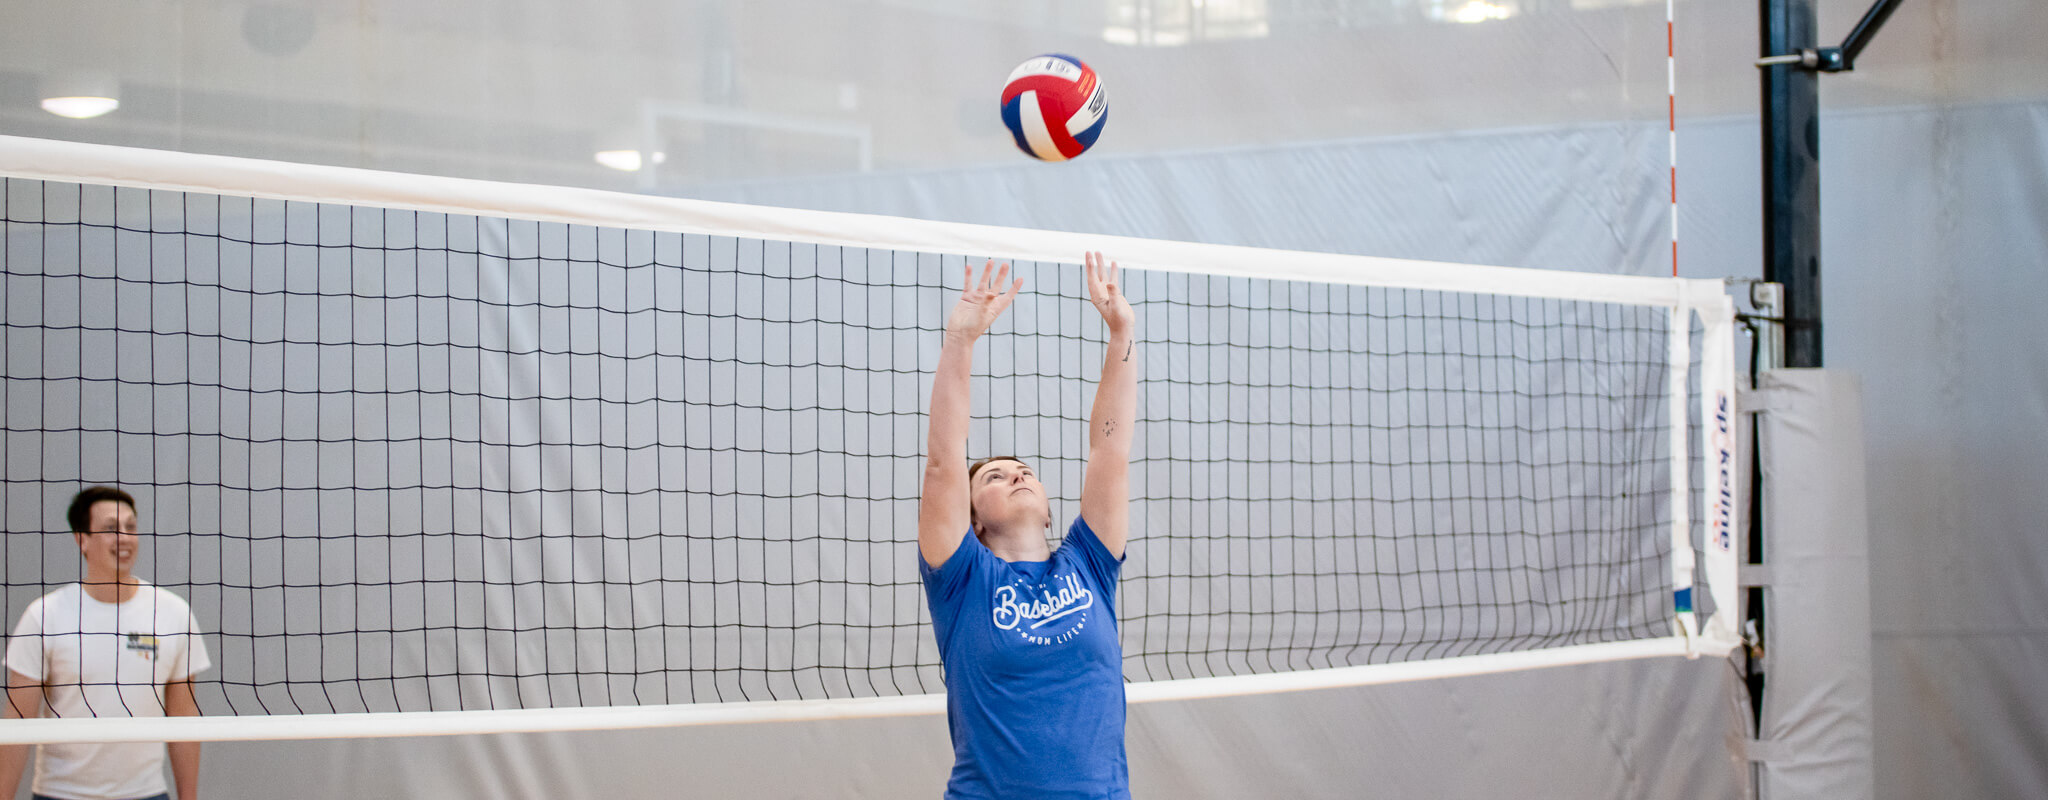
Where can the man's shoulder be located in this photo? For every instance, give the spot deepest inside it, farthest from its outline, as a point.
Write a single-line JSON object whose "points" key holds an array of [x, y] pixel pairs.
{"points": [[162, 599], [58, 606], [65, 595]]}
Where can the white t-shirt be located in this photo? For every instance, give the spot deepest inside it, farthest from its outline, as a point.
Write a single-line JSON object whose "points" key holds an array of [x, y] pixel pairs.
{"points": [[105, 660]]}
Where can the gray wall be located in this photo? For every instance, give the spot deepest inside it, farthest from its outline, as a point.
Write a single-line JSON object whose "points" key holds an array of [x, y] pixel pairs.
{"points": [[1936, 226]]}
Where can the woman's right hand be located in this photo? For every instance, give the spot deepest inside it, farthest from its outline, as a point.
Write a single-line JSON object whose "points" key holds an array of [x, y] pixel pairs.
{"points": [[981, 302]]}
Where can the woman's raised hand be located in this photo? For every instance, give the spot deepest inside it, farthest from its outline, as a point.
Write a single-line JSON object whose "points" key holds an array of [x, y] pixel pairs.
{"points": [[982, 301], [1104, 293]]}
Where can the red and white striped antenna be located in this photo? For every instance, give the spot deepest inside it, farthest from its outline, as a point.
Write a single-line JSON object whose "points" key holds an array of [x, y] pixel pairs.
{"points": [[1671, 117]]}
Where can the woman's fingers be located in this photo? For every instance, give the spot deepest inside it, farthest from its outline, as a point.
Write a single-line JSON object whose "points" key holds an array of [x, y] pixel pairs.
{"points": [[1102, 276], [992, 276]]}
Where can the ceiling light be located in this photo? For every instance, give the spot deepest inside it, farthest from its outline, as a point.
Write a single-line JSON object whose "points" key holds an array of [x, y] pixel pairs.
{"points": [[626, 160], [1480, 11], [83, 107], [81, 95]]}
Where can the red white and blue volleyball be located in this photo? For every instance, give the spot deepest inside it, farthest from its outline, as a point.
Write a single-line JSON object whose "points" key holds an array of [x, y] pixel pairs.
{"points": [[1054, 106]]}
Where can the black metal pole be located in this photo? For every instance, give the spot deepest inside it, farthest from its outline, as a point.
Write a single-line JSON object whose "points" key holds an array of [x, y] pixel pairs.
{"points": [[1791, 150], [1791, 65], [1866, 28]]}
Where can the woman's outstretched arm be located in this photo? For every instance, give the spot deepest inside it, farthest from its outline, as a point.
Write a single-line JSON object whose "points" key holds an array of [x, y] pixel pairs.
{"points": [[942, 514], [1106, 490]]}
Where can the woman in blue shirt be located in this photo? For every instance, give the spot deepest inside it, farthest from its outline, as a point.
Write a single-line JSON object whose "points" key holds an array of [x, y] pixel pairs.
{"points": [[1028, 634]]}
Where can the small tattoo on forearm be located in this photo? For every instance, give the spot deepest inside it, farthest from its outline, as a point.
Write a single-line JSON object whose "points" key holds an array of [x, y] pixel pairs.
{"points": [[1108, 427], [1127, 348]]}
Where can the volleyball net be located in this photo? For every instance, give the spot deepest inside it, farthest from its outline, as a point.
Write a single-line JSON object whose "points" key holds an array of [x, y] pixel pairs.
{"points": [[433, 456]]}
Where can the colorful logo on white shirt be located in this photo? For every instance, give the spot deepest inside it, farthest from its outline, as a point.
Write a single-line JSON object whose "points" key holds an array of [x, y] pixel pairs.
{"points": [[1042, 614], [142, 644]]}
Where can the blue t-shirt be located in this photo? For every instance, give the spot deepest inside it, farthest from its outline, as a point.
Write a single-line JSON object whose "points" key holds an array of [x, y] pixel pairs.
{"points": [[1034, 671]]}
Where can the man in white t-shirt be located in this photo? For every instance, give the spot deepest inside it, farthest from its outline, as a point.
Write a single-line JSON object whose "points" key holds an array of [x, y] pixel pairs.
{"points": [[110, 645]]}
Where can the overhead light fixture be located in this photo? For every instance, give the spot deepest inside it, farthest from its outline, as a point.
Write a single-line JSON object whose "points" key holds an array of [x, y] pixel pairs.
{"points": [[1480, 11], [81, 95], [627, 160], [622, 148], [80, 106]]}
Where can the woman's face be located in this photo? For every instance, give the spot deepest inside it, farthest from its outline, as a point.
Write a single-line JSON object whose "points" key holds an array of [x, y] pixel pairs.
{"points": [[1006, 492]]}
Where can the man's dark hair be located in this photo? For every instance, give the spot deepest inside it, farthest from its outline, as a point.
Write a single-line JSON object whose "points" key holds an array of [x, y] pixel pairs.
{"points": [[80, 515]]}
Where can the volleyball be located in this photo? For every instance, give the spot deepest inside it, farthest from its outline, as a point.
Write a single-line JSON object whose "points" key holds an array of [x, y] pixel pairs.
{"points": [[1054, 106]]}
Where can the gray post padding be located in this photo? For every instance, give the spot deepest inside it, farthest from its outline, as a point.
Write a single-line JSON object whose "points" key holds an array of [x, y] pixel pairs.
{"points": [[1815, 739]]}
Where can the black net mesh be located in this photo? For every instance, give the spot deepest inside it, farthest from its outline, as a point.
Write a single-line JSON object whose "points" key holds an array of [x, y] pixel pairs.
{"points": [[407, 461]]}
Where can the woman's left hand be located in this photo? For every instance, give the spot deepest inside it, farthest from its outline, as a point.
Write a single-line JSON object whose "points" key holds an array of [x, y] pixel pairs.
{"points": [[1106, 295]]}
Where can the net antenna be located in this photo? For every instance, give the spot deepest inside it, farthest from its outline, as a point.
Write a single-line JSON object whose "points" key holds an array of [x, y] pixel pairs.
{"points": [[437, 456]]}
